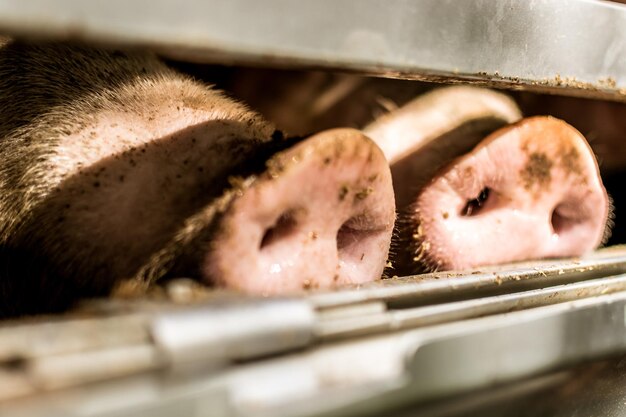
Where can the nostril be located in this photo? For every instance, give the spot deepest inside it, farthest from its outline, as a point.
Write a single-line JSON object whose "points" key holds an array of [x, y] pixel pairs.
{"points": [[346, 236], [475, 206], [285, 226], [352, 238], [562, 222]]}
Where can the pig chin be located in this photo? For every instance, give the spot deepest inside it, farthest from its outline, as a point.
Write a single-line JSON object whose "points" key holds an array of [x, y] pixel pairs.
{"points": [[322, 214], [528, 191]]}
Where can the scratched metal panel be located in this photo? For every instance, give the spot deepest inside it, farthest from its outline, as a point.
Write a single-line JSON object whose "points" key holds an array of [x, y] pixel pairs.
{"points": [[568, 46]]}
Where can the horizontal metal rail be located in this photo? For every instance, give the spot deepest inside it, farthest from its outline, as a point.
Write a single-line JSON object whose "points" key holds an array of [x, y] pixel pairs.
{"points": [[567, 46]]}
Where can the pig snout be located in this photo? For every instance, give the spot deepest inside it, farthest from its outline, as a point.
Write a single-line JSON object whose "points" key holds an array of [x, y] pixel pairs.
{"points": [[531, 190], [322, 214], [118, 168]]}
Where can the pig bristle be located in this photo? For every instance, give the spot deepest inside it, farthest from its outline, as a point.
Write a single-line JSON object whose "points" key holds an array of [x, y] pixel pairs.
{"points": [[394, 250], [192, 239], [409, 245], [610, 221], [55, 93]]}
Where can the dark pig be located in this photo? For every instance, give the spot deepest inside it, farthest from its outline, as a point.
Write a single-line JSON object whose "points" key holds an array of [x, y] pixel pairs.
{"points": [[116, 167]]}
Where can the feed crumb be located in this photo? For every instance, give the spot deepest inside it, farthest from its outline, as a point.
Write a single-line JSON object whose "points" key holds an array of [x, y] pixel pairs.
{"points": [[361, 195], [343, 191]]}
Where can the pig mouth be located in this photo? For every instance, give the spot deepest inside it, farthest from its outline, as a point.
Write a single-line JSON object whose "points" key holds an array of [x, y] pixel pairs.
{"points": [[529, 191], [321, 215]]}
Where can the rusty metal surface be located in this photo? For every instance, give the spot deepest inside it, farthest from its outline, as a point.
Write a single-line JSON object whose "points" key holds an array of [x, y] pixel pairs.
{"points": [[573, 47]]}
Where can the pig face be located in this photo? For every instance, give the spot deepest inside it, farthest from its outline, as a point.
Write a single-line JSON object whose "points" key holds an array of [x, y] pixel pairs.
{"points": [[116, 167], [535, 182]]}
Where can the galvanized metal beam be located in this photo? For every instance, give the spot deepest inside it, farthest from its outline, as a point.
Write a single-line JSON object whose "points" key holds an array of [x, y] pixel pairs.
{"points": [[567, 46]]}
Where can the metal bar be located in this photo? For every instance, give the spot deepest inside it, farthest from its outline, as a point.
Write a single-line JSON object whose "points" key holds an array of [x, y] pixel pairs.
{"points": [[399, 368], [70, 370], [530, 342], [58, 336], [36, 357], [462, 357], [442, 287], [395, 320], [567, 46], [227, 332]]}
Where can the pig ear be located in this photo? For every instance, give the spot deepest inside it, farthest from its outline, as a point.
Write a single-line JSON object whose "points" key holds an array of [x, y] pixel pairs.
{"points": [[432, 115], [426, 134]]}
